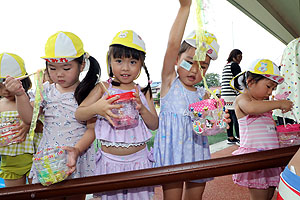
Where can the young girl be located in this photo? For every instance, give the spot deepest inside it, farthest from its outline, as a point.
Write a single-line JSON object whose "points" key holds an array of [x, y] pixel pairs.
{"points": [[175, 142], [17, 157], [257, 127], [65, 59], [122, 149]]}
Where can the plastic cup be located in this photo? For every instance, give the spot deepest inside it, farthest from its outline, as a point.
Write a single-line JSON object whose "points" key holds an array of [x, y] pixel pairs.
{"points": [[51, 165], [128, 114]]}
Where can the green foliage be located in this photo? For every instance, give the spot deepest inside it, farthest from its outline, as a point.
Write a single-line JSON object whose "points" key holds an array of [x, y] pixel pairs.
{"points": [[212, 80]]}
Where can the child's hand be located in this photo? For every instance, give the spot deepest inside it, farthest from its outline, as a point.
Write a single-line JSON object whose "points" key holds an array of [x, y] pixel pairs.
{"points": [[286, 105], [104, 106], [23, 131], [227, 119], [185, 2], [73, 154], [14, 86], [139, 103]]}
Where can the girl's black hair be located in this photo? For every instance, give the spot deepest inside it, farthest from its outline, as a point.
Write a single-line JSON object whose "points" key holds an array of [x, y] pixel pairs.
{"points": [[119, 51], [233, 54], [245, 76], [89, 81], [47, 71], [26, 83]]}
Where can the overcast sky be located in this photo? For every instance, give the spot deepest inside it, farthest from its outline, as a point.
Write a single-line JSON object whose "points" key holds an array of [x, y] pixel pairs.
{"points": [[26, 26]]}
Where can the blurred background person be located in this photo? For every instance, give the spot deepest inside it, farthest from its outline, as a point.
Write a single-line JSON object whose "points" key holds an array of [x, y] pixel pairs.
{"points": [[230, 70]]}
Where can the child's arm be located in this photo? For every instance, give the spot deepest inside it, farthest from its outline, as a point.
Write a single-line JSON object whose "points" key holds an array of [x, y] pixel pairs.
{"points": [[295, 162], [24, 107], [81, 146], [255, 107], [23, 130], [95, 104], [150, 117], [168, 72]]}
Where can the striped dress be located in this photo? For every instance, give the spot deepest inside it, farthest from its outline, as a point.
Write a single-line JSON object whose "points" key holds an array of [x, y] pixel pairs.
{"points": [[257, 133]]}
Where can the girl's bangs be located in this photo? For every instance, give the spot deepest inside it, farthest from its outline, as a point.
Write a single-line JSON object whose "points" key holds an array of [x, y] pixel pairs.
{"points": [[119, 51]]}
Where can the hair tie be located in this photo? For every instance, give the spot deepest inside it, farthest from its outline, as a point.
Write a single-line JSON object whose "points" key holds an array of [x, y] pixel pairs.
{"points": [[109, 80], [87, 62], [150, 82], [86, 55]]}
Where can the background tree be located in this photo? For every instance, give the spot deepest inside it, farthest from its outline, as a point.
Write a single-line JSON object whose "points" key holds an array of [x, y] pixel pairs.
{"points": [[212, 80]]}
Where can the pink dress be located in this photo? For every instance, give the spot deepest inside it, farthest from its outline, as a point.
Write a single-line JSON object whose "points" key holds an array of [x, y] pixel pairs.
{"points": [[62, 129], [257, 133]]}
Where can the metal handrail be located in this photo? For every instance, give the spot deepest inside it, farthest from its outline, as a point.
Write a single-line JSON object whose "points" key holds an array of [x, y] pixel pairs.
{"points": [[155, 176]]}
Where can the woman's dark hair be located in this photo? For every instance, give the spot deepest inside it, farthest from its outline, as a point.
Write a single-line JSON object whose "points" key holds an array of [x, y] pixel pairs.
{"points": [[233, 54], [245, 76], [119, 51], [90, 79]]}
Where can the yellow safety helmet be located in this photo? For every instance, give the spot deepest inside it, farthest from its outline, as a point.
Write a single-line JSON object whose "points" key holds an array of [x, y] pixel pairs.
{"points": [[63, 47], [12, 65], [130, 39], [213, 46], [262, 67]]}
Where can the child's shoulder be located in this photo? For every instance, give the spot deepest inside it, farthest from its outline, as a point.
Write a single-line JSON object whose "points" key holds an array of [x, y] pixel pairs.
{"points": [[2, 104], [6, 105], [242, 98]]}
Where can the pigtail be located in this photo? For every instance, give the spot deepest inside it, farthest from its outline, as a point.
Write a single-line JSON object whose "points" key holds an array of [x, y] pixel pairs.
{"points": [[242, 79], [148, 87], [26, 83], [241, 82], [89, 81]]}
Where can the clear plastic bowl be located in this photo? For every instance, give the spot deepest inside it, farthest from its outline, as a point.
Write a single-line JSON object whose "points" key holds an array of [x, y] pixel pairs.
{"points": [[128, 114], [288, 135]]}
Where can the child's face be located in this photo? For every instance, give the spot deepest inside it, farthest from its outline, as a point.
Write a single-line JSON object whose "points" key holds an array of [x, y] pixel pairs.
{"points": [[5, 93], [262, 89], [193, 76], [65, 74], [125, 70]]}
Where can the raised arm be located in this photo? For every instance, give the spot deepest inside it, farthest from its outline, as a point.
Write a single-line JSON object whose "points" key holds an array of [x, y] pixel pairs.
{"points": [[175, 37], [24, 107]]}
